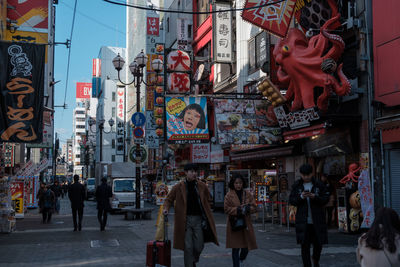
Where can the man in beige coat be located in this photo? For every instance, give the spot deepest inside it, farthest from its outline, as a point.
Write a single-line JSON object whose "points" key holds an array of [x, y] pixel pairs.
{"points": [[192, 213]]}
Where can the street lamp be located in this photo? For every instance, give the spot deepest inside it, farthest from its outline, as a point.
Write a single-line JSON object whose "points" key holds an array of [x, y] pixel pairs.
{"points": [[136, 68], [101, 128]]}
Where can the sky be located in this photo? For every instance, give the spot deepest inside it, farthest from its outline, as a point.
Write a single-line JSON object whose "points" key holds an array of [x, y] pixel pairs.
{"points": [[97, 24]]}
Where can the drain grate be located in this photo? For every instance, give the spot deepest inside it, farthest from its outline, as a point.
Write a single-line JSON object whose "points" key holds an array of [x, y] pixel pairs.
{"points": [[104, 243]]}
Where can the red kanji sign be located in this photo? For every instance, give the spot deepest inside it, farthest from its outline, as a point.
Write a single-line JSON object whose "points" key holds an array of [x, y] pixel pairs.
{"points": [[153, 26], [271, 16], [178, 61], [178, 83]]}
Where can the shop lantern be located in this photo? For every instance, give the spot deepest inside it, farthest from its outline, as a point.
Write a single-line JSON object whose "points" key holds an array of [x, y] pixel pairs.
{"points": [[159, 111], [159, 132], [178, 61], [160, 100], [178, 83], [159, 121], [159, 90]]}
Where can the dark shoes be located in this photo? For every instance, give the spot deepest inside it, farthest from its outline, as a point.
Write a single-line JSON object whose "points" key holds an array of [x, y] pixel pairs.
{"points": [[79, 227], [75, 229]]}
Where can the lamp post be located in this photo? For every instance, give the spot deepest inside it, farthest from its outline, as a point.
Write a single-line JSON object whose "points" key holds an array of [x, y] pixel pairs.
{"points": [[136, 68], [101, 128]]}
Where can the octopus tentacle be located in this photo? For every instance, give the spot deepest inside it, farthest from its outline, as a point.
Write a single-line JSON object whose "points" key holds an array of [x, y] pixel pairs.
{"points": [[345, 88]]}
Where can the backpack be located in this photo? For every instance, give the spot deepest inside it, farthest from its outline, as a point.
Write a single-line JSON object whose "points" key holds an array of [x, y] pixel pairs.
{"points": [[48, 200]]}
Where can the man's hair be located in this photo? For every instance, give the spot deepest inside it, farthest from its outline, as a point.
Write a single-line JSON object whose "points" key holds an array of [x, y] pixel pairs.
{"points": [[199, 109], [191, 166], [306, 169], [76, 178]]}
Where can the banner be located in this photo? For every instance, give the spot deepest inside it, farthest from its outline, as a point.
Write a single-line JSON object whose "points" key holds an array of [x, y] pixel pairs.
{"points": [[367, 202], [17, 197], [246, 122], [21, 92], [187, 120]]}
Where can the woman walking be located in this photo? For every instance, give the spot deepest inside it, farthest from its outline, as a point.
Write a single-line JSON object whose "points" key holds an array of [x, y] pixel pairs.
{"points": [[239, 204], [380, 246]]}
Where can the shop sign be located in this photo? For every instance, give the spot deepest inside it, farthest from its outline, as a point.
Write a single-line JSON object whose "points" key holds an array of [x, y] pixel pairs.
{"points": [[201, 153], [222, 36], [150, 98], [17, 196], [152, 140], [182, 36], [153, 26], [217, 156], [296, 119], [178, 60], [22, 92], [178, 83], [367, 202], [32, 15], [8, 155], [96, 71], [262, 193], [187, 120], [271, 16]]}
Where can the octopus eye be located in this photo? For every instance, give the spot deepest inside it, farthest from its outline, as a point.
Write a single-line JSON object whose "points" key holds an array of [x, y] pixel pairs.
{"points": [[285, 48]]}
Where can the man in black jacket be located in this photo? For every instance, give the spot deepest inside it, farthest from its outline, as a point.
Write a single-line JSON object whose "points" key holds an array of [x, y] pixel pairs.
{"points": [[310, 197], [76, 194], [103, 195]]}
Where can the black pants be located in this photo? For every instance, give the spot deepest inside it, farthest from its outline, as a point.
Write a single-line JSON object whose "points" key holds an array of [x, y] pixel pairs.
{"points": [[329, 211], [78, 211], [310, 238], [46, 215], [102, 217], [239, 254]]}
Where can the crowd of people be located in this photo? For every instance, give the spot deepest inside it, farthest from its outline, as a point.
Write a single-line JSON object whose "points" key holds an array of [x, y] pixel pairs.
{"points": [[379, 246]]}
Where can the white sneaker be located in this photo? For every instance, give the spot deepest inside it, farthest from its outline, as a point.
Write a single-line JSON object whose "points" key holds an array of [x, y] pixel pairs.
{"points": [[241, 264]]}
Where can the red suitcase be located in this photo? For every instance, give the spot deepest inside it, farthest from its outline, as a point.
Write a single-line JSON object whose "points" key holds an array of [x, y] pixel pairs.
{"points": [[158, 253]]}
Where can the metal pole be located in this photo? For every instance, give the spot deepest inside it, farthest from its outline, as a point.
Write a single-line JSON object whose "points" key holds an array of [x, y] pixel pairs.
{"points": [[138, 81], [124, 159], [272, 212]]}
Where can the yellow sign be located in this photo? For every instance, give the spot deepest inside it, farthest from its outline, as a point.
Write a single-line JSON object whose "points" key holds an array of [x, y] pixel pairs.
{"points": [[175, 106], [19, 205], [28, 37]]}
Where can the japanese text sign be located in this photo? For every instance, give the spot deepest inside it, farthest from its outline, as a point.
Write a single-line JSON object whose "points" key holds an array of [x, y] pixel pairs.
{"points": [[153, 26], [201, 153], [21, 90], [270, 16], [367, 203], [187, 120], [222, 36]]}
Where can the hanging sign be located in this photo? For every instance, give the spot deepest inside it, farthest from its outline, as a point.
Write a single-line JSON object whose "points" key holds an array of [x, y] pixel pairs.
{"points": [[21, 87], [153, 26], [178, 83], [182, 36], [222, 36], [178, 60], [274, 17]]}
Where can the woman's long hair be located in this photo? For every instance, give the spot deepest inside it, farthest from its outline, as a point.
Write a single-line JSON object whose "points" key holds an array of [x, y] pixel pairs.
{"points": [[384, 230]]}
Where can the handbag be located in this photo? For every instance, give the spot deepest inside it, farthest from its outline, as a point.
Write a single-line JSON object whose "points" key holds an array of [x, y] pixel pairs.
{"points": [[238, 222]]}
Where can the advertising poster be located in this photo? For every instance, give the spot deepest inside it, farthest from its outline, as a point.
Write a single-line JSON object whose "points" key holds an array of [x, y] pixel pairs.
{"points": [[29, 14], [31, 188], [83, 90], [245, 122], [17, 197], [201, 153], [187, 120], [21, 87]]}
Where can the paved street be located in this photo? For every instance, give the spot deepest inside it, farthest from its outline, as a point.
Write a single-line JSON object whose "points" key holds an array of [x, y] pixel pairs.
{"points": [[124, 243]]}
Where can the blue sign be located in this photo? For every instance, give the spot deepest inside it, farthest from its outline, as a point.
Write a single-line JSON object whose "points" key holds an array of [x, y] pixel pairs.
{"points": [[138, 132], [138, 119]]}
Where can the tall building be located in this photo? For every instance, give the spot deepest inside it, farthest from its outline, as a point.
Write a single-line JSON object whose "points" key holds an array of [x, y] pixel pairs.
{"points": [[78, 136]]}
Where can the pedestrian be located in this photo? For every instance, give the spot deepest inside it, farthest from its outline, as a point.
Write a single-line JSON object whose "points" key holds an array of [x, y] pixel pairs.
{"points": [[380, 246], [192, 213], [56, 188], [41, 190], [239, 203], [103, 195], [330, 206], [76, 194], [310, 197], [47, 202]]}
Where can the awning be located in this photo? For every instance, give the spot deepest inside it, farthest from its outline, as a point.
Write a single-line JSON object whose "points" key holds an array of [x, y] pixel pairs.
{"points": [[305, 132], [391, 136], [390, 127], [263, 154]]}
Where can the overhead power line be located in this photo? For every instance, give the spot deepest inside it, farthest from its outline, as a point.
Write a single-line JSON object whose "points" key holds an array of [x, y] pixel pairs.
{"points": [[69, 51], [191, 12]]}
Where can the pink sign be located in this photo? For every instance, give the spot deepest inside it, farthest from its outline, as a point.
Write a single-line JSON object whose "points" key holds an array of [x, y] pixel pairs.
{"points": [[83, 90], [96, 71], [201, 153], [153, 26]]}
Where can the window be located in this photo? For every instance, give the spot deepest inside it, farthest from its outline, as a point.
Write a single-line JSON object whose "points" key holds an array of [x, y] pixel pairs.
{"points": [[80, 112], [113, 112], [80, 119], [80, 126], [113, 158], [113, 143], [113, 96]]}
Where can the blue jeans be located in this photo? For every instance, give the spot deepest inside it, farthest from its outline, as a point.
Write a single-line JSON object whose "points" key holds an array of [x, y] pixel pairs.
{"points": [[239, 254]]}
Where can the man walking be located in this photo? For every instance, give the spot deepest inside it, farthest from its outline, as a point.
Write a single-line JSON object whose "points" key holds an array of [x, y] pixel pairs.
{"points": [[310, 197], [56, 188], [103, 195], [192, 213], [76, 194]]}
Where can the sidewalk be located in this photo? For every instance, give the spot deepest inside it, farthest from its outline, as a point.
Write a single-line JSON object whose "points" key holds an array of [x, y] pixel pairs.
{"points": [[124, 243]]}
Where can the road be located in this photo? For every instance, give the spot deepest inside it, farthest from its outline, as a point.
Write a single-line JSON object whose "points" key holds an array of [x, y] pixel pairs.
{"points": [[124, 243]]}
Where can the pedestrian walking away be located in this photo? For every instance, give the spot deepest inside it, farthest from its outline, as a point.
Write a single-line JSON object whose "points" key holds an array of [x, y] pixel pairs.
{"points": [[103, 195], [76, 194], [47, 202], [192, 213], [380, 246], [239, 203], [310, 196], [56, 188]]}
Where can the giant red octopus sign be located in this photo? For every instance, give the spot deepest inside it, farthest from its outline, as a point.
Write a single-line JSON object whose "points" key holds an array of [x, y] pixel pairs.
{"points": [[304, 64]]}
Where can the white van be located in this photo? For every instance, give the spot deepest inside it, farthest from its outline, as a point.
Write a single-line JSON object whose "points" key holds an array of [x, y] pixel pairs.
{"points": [[124, 193]]}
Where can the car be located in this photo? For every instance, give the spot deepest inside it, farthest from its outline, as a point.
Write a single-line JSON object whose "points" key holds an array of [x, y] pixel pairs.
{"points": [[90, 187]]}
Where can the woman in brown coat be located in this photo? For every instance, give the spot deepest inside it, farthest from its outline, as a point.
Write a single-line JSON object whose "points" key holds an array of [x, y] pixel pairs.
{"points": [[240, 203], [380, 246]]}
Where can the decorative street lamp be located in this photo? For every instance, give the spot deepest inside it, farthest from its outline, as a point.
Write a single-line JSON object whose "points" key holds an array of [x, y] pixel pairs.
{"points": [[101, 128], [136, 68]]}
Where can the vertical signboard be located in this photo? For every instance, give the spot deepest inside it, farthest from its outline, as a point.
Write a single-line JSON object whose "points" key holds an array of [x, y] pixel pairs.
{"points": [[201, 153], [153, 26], [120, 120], [17, 197], [21, 90], [222, 35], [182, 34], [83, 91]]}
